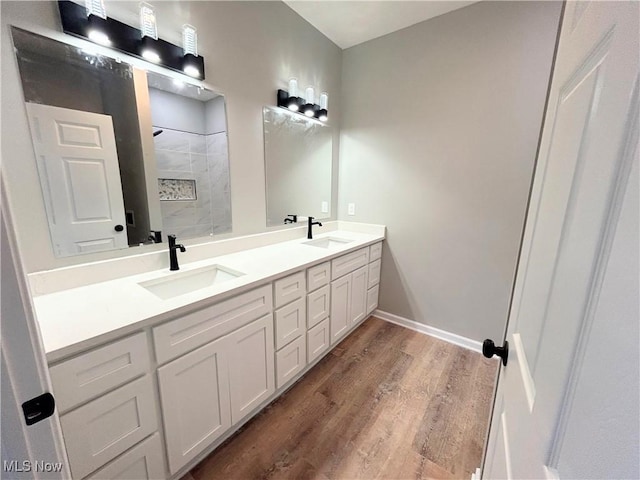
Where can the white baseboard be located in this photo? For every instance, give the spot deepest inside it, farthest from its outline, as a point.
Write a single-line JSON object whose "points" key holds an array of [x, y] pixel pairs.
{"points": [[432, 331]]}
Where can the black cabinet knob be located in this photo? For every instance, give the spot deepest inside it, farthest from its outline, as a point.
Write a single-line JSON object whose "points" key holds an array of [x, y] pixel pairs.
{"points": [[118, 228], [489, 349]]}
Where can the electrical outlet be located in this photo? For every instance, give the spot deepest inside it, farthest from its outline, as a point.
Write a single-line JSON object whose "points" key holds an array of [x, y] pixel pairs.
{"points": [[325, 207], [351, 209]]}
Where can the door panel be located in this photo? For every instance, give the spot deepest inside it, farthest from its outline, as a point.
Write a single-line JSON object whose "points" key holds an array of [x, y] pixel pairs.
{"points": [[80, 177], [583, 165]]}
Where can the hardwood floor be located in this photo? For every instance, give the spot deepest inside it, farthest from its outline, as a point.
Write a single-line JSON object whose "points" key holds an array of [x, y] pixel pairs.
{"points": [[387, 403]]}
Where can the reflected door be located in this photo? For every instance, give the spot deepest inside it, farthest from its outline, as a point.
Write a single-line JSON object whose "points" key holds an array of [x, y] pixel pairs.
{"points": [[80, 178], [583, 168]]}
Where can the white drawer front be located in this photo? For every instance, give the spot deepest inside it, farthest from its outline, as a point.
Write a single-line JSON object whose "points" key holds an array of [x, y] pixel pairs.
{"points": [[372, 298], [142, 462], [318, 305], [291, 360], [374, 273], [318, 340], [290, 322], [289, 289], [179, 336], [104, 428], [318, 276], [375, 251], [91, 374], [348, 263]]}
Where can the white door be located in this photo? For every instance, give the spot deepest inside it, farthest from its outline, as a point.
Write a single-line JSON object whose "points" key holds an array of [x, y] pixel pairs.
{"points": [[24, 375], [340, 307], [587, 152], [80, 178]]}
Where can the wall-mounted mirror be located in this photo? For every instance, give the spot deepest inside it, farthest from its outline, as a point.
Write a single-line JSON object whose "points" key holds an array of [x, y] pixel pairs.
{"points": [[298, 158], [120, 152]]}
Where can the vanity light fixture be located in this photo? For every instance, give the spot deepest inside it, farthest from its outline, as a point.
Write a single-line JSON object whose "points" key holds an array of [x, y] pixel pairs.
{"points": [[90, 21], [96, 18], [309, 107], [323, 114], [190, 46], [149, 33], [293, 102], [304, 105]]}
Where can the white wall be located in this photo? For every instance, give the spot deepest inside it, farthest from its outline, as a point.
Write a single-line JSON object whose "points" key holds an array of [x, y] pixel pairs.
{"points": [[250, 48], [177, 112], [439, 133]]}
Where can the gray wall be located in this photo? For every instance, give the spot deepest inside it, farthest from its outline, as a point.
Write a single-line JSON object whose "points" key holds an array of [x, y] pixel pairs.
{"points": [[169, 110], [215, 116], [250, 48], [439, 134]]}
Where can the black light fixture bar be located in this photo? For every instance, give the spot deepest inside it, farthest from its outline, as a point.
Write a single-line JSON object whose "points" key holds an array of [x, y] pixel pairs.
{"points": [[125, 38], [284, 101]]}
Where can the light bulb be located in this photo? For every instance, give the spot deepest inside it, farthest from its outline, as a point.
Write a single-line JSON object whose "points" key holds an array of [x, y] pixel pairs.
{"points": [[324, 100], [293, 87], [323, 117], [96, 7], [191, 71], [151, 56], [190, 40], [293, 106], [99, 37], [309, 95], [309, 112], [148, 26]]}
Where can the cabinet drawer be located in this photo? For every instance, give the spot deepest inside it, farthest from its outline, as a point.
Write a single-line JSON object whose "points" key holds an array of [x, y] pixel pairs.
{"points": [[375, 251], [290, 322], [348, 263], [91, 374], [289, 289], [374, 273], [372, 298], [199, 328], [318, 340], [142, 462], [291, 360], [104, 428], [318, 276], [318, 305]]}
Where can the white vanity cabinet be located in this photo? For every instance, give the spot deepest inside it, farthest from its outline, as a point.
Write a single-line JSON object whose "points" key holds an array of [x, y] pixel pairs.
{"points": [[215, 367]]}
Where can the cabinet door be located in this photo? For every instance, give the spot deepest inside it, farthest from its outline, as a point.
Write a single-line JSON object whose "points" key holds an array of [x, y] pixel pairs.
{"points": [[251, 369], [374, 274], [340, 311], [195, 402], [358, 307], [372, 299]]}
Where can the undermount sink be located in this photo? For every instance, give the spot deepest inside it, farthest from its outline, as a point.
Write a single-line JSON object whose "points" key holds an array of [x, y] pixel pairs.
{"points": [[328, 242], [181, 283]]}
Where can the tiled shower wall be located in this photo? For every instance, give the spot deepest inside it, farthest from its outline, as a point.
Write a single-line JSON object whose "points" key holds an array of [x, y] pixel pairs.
{"points": [[203, 158]]}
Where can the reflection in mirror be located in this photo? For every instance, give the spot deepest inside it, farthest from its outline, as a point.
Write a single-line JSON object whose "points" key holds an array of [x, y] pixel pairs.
{"points": [[298, 158], [93, 135], [190, 140]]}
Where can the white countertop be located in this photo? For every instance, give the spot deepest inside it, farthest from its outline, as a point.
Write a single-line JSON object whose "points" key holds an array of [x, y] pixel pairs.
{"points": [[80, 318]]}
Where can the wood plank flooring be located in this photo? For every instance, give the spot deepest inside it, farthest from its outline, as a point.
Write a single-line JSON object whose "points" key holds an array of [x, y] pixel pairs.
{"points": [[387, 403]]}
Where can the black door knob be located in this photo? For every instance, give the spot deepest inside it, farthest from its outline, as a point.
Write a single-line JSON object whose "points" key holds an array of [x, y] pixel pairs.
{"points": [[119, 228], [489, 349]]}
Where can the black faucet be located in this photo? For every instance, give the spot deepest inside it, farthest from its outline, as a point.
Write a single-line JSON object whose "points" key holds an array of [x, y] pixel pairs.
{"points": [[156, 236], [173, 257], [310, 227], [291, 219]]}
